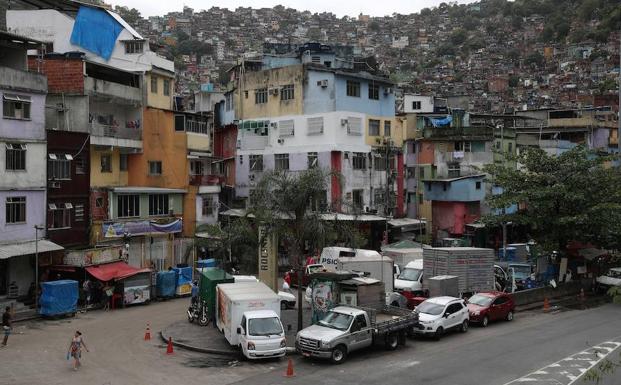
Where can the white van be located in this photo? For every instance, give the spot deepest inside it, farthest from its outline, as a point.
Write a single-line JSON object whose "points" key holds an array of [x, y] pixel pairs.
{"points": [[410, 281]]}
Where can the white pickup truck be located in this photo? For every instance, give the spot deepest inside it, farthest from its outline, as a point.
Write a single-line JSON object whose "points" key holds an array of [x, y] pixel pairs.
{"points": [[346, 329]]}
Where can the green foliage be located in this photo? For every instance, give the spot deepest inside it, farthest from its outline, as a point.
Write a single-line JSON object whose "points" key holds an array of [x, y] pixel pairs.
{"points": [[458, 36], [513, 81], [130, 15], [615, 293], [573, 196]]}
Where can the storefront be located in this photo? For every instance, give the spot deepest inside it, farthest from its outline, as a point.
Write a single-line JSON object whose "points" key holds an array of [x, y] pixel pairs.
{"points": [[131, 284]]}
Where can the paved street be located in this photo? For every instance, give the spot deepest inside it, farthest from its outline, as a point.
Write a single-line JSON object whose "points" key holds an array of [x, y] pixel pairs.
{"points": [[499, 354]]}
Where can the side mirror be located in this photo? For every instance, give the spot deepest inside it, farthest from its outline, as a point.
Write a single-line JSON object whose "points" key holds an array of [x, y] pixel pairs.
{"points": [[239, 330]]}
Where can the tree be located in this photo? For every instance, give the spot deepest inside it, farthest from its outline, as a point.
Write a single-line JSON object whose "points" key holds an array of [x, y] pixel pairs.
{"points": [[281, 204], [572, 196], [130, 15], [458, 36]]}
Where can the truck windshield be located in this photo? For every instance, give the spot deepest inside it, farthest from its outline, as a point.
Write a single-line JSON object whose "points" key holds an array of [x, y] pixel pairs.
{"points": [[520, 271], [264, 326], [481, 300], [410, 274], [336, 320], [430, 308]]}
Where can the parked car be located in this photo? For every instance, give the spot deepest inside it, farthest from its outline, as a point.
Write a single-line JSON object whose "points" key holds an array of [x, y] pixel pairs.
{"points": [[611, 278], [438, 315], [490, 306]]}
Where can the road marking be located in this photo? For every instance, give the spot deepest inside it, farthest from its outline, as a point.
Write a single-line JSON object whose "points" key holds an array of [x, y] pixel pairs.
{"points": [[567, 370]]}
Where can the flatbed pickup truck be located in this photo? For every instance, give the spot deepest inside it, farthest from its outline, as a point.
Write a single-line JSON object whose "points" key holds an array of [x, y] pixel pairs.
{"points": [[346, 329]]}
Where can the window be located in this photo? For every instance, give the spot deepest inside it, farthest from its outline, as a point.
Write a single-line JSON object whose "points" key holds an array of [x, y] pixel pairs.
{"points": [[80, 165], [281, 162], [374, 91], [353, 88], [378, 197], [497, 145], [359, 161], [158, 204], [16, 210], [421, 172], [58, 167], [179, 122], [256, 163], [386, 127], [128, 205], [416, 105], [478, 185], [260, 96], [16, 107], [319, 201], [153, 84], [454, 170], [134, 46], [286, 128], [59, 216], [316, 59], [357, 199], [79, 213], [15, 157], [380, 162], [510, 147], [155, 167], [354, 126], [287, 92], [315, 126], [228, 101], [99, 202], [313, 161], [123, 162], [196, 167], [374, 127], [106, 163], [463, 146], [166, 87], [500, 301], [208, 206], [360, 322]]}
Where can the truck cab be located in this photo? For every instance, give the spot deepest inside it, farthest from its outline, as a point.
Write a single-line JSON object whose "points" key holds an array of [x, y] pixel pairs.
{"points": [[409, 283], [261, 335]]}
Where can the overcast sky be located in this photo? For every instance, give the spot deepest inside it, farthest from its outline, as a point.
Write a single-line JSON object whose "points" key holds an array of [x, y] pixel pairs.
{"points": [[340, 8]]}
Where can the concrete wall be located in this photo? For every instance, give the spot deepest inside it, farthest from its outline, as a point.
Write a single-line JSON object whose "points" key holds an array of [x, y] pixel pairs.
{"points": [[529, 296], [384, 107], [18, 80], [319, 99], [462, 190], [426, 103], [396, 131], [75, 116], [31, 129], [116, 178], [158, 99], [198, 142], [35, 215], [35, 174]]}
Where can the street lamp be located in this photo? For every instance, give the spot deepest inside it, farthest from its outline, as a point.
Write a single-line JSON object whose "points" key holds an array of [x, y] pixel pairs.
{"points": [[37, 228], [504, 237]]}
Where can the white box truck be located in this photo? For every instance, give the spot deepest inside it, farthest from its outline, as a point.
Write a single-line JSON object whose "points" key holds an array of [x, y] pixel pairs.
{"points": [[248, 314], [362, 260]]}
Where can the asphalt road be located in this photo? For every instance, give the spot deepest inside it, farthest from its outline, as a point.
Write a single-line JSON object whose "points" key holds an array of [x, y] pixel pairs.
{"points": [[498, 354]]}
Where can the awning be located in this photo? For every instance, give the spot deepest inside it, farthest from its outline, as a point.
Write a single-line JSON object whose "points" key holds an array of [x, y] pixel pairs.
{"points": [[408, 224], [115, 270], [26, 248]]}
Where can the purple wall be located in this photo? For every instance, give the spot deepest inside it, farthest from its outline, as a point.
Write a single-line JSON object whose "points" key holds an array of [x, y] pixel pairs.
{"points": [[25, 129], [35, 215]]}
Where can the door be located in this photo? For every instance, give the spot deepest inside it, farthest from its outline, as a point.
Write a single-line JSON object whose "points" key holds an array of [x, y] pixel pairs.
{"points": [[360, 333], [453, 318], [243, 335], [498, 308]]}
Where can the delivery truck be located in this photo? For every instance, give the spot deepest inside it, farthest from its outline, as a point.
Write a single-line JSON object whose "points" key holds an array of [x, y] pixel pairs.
{"points": [[473, 266], [360, 260], [248, 314]]}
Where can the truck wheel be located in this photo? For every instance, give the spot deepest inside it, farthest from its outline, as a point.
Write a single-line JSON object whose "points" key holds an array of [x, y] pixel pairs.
{"points": [[410, 332], [339, 355], [391, 341], [439, 333], [484, 321], [464, 326]]}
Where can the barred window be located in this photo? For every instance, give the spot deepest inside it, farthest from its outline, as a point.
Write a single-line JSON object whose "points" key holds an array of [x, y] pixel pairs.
{"points": [[354, 126], [106, 163], [353, 88], [286, 128], [59, 167], [386, 127], [315, 126], [155, 167], [59, 216], [374, 91], [166, 87], [209, 206], [359, 161], [15, 157], [16, 106], [287, 92], [374, 127], [357, 198], [153, 84], [256, 163], [260, 96], [313, 161], [128, 206], [158, 204], [134, 46], [16, 210], [281, 162]]}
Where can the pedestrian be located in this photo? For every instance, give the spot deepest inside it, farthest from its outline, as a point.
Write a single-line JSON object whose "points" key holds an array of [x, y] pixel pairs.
{"points": [[6, 324], [108, 291], [87, 287], [75, 349]]}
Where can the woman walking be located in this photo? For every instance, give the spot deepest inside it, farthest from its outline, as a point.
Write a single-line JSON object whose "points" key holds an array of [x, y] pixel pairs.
{"points": [[75, 349]]}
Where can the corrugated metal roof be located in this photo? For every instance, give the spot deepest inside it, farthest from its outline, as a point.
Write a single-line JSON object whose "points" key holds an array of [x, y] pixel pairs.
{"points": [[26, 248]]}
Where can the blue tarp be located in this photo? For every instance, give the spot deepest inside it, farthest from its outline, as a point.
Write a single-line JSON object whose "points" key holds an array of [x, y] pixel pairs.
{"points": [[211, 262], [59, 297], [441, 122], [184, 275], [166, 283], [96, 31]]}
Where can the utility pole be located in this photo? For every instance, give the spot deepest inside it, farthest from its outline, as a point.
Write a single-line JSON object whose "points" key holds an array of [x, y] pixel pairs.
{"points": [[37, 228]]}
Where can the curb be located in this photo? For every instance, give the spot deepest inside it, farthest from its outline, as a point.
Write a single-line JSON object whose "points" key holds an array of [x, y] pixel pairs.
{"points": [[197, 349]]}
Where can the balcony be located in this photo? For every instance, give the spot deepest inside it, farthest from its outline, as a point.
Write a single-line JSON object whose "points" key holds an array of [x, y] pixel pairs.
{"points": [[206, 180], [22, 80], [112, 92], [459, 133], [108, 135]]}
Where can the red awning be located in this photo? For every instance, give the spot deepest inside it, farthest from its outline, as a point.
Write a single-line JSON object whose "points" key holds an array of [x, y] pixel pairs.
{"points": [[115, 270]]}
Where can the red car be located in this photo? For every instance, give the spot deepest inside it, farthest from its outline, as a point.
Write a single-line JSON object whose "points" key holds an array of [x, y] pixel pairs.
{"points": [[490, 306]]}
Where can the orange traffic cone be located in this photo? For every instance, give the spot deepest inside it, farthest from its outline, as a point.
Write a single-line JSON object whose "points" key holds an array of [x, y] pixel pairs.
{"points": [[147, 334], [290, 369], [169, 348], [546, 304]]}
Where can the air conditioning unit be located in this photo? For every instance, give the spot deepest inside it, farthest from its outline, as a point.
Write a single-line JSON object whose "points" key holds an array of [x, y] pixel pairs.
{"points": [[281, 141], [54, 184], [322, 83], [273, 124], [344, 122], [273, 91], [388, 90]]}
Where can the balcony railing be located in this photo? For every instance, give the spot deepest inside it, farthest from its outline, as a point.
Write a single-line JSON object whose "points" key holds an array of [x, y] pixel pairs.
{"points": [[98, 129], [459, 133], [114, 92], [206, 180]]}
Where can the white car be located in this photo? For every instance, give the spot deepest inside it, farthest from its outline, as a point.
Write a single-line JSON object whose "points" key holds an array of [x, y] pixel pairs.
{"points": [[611, 278], [439, 314]]}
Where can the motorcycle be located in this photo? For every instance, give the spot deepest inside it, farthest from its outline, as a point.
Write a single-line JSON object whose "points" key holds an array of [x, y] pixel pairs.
{"points": [[198, 311]]}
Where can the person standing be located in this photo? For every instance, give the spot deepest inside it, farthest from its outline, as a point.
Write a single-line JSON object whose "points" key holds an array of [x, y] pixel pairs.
{"points": [[75, 349], [87, 287], [7, 324]]}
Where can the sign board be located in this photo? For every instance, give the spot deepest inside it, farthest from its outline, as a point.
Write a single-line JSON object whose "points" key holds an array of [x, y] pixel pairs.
{"points": [[268, 261], [136, 294], [93, 256]]}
